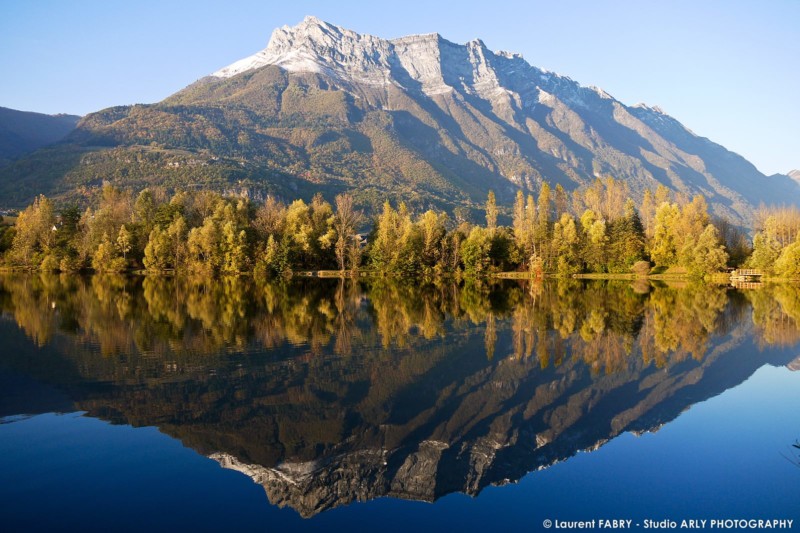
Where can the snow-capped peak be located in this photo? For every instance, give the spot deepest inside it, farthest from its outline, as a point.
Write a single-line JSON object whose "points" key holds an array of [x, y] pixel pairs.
{"points": [[436, 65], [314, 46]]}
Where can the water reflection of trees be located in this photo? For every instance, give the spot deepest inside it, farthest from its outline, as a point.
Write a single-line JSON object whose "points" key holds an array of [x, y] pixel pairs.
{"points": [[388, 389], [776, 314], [600, 323]]}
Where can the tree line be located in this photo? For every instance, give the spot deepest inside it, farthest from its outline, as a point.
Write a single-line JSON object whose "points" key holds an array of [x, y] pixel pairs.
{"points": [[595, 229]]}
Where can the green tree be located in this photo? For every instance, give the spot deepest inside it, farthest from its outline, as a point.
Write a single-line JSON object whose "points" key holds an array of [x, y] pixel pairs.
{"points": [[565, 245], [107, 257], [144, 208], [689, 225], [560, 201], [124, 242], [234, 253], [167, 247], [504, 253], [524, 224], [178, 234], [432, 231], [541, 232], [144, 214], [788, 263], [648, 214], [300, 233], [491, 212], [35, 234], [115, 208], [345, 224], [157, 252], [475, 252], [706, 255], [392, 248], [309, 228], [68, 239], [766, 250], [595, 241], [7, 234], [734, 239], [205, 250], [779, 223], [663, 249], [270, 219], [626, 240]]}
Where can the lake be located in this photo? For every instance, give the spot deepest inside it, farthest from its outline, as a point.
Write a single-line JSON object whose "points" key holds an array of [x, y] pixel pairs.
{"points": [[164, 403]]}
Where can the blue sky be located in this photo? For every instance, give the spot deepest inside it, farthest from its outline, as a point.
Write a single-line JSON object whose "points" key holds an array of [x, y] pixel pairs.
{"points": [[729, 70]]}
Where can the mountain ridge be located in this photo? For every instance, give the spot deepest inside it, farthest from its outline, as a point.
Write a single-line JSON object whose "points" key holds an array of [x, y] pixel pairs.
{"points": [[22, 132]]}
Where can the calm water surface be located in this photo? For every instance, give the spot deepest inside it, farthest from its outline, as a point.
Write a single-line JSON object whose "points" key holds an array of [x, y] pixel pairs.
{"points": [[171, 403]]}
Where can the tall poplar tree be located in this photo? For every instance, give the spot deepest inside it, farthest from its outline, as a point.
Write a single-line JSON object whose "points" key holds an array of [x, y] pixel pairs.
{"points": [[491, 213]]}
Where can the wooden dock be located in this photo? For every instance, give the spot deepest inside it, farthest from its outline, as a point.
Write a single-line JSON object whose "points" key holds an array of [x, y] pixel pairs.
{"points": [[747, 278]]}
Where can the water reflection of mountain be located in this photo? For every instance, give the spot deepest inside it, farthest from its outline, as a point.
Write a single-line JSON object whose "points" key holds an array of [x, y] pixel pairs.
{"points": [[327, 393]]}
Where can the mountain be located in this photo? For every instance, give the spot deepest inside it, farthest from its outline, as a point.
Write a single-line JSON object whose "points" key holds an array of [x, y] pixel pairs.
{"points": [[794, 174], [418, 119], [22, 132]]}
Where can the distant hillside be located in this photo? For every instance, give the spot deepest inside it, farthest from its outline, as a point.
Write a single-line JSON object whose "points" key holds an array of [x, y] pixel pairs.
{"points": [[418, 119], [22, 132]]}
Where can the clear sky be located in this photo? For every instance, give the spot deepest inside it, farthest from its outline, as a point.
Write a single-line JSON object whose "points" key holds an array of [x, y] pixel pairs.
{"points": [[729, 70]]}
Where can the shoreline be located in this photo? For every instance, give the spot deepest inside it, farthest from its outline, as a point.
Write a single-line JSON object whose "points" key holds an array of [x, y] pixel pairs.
{"points": [[718, 278]]}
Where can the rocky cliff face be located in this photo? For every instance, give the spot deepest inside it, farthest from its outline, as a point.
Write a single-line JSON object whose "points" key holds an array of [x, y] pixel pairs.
{"points": [[425, 63]]}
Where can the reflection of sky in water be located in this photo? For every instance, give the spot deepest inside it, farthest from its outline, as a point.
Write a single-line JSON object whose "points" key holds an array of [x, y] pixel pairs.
{"points": [[720, 459]]}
